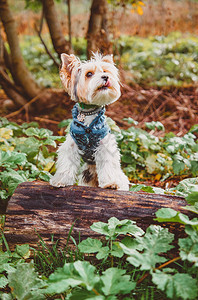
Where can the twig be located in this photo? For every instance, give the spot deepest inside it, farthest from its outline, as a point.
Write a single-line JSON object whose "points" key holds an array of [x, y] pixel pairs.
{"points": [[151, 102], [46, 49], [23, 107], [42, 41], [46, 120], [158, 268]]}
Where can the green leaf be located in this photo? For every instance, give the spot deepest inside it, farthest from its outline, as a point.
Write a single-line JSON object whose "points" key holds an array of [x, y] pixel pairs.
{"points": [[25, 283], [3, 281], [170, 215], [153, 125], [117, 250], [114, 227], [179, 285], [178, 166], [71, 275], [115, 282], [90, 245], [189, 246], [103, 253], [23, 250], [5, 296], [156, 240], [84, 295], [192, 198]]}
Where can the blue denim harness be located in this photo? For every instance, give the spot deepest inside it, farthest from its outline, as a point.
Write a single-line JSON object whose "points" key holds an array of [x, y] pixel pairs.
{"points": [[88, 138]]}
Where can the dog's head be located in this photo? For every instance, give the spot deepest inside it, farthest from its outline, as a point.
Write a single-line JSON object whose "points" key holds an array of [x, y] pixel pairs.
{"points": [[93, 82]]}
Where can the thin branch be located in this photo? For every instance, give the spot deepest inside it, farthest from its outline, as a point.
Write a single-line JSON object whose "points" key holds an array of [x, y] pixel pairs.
{"points": [[158, 268], [42, 41], [24, 107]]}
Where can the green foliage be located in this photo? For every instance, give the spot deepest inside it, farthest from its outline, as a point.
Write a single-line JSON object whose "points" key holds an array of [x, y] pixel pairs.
{"points": [[24, 154], [145, 155], [111, 230], [155, 61], [144, 251], [160, 61], [156, 240]]}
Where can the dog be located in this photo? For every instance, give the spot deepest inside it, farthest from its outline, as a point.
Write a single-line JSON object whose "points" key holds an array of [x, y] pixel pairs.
{"points": [[91, 84]]}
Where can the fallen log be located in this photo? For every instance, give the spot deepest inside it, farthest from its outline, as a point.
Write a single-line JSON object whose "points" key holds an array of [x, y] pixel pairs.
{"points": [[48, 210]]}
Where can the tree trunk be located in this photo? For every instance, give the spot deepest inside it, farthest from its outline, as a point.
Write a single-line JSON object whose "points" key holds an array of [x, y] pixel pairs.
{"points": [[97, 34], [24, 78], [49, 210], [58, 40]]}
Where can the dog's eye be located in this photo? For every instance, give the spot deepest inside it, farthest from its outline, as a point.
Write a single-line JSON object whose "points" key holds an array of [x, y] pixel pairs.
{"points": [[89, 74]]}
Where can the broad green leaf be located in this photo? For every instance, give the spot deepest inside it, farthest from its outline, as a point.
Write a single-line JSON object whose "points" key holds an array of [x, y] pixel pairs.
{"points": [[178, 285], [23, 250], [117, 250], [155, 241], [170, 215], [84, 295], [25, 283], [189, 246], [3, 281], [90, 245], [192, 198], [4, 296], [153, 125], [103, 253], [115, 282], [71, 275], [115, 227]]}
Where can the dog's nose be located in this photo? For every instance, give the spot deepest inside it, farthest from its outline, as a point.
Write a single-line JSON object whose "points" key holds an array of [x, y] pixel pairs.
{"points": [[105, 78]]}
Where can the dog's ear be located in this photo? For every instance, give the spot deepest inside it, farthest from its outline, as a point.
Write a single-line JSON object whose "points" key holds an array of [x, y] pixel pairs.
{"points": [[108, 59], [68, 64]]}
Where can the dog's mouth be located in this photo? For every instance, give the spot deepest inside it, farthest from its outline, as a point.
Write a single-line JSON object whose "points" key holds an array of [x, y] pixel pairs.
{"points": [[104, 86]]}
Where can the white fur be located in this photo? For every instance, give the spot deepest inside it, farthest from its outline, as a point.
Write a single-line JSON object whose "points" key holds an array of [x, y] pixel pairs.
{"points": [[107, 172], [67, 165]]}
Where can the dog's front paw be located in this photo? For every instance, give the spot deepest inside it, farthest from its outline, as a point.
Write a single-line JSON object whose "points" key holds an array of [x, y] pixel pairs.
{"points": [[61, 180]]}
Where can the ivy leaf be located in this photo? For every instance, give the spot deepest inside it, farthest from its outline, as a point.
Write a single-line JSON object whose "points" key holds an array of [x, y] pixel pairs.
{"points": [[177, 285], [155, 241], [25, 283], [115, 282]]}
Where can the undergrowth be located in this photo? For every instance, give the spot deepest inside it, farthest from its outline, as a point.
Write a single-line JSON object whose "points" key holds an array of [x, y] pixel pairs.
{"points": [[161, 61], [26, 154], [128, 264]]}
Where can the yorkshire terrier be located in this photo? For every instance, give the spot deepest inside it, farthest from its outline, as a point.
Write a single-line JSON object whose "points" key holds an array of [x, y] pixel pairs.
{"points": [[92, 84]]}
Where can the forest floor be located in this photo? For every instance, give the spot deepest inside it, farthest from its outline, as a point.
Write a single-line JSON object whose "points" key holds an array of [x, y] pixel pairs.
{"points": [[176, 109]]}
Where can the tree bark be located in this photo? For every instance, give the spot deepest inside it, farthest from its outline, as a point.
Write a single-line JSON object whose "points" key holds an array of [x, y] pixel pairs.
{"points": [[97, 34], [58, 40], [49, 210], [24, 78]]}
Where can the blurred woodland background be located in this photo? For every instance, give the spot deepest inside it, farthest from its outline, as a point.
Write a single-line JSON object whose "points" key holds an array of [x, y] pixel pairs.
{"points": [[155, 46]]}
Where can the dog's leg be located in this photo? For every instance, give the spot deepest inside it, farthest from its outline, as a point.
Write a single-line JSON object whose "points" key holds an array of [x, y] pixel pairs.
{"points": [[67, 165], [88, 177], [107, 157]]}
